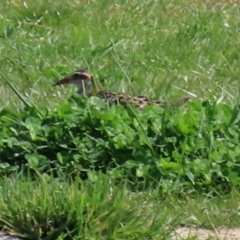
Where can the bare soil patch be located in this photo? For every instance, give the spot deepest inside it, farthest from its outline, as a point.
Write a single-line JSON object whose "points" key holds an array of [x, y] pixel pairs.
{"points": [[204, 234]]}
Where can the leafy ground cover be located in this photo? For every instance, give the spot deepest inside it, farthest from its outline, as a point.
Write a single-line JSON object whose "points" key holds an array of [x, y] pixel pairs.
{"points": [[199, 147], [164, 50]]}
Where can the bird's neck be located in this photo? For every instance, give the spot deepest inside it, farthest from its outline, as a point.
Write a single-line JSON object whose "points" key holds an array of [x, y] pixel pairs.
{"points": [[87, 88]]}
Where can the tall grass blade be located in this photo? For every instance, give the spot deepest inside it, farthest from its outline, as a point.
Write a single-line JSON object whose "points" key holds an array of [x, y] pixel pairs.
{"points": [[15, 91]]}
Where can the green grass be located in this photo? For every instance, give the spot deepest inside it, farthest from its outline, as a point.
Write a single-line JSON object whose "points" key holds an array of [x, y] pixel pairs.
{"points": [[162, 49], [157, 49], [48, 208]]}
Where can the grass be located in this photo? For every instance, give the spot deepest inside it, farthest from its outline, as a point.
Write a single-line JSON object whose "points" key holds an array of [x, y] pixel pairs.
{"points": [[161, 49], [158, 49], [48, 207]]}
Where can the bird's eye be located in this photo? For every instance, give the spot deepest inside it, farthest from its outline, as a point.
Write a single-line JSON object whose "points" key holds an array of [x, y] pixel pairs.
{"points": [[79, 75], [76, 76]]}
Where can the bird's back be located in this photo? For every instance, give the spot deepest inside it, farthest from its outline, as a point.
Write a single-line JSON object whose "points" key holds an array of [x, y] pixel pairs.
{"points": [[125, 99]]}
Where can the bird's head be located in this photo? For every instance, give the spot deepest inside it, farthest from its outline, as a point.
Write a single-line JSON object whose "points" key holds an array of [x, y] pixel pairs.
{"points": [[83, 80]]}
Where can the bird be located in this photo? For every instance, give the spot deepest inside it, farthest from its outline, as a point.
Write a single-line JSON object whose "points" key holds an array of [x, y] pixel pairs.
{"points": [[87, 86]]}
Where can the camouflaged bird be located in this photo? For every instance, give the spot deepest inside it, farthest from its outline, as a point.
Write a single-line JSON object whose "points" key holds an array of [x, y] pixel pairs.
{"points": [[87, 86]]}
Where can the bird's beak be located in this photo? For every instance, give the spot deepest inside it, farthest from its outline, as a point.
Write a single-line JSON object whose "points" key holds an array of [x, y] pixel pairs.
{"points": [[63, 81]]}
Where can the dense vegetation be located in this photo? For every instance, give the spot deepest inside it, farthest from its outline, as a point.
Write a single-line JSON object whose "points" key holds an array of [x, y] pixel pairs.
{"points": [[192, 145]]}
